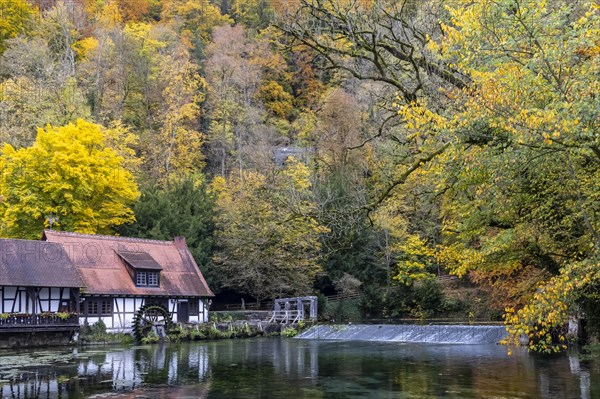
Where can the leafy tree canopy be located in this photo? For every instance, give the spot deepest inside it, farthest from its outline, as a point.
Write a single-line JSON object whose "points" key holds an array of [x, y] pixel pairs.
{"points": [[78, 173], [15, 16], [268, 241], [185, 209]]}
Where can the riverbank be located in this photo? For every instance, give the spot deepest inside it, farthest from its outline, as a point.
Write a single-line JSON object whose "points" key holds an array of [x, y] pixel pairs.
{"points": [[97, 335]]}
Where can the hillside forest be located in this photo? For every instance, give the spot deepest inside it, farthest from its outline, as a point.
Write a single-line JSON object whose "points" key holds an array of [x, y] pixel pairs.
{"points": [[439, 157]]}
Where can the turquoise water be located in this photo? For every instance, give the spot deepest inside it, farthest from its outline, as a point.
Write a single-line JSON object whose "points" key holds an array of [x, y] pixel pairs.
{"points": [[291, 368]]}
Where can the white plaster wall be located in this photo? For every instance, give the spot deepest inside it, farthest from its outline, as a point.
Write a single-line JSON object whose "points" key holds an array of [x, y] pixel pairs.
{"points": [[55, 298], [9, 292], [125, 309]]}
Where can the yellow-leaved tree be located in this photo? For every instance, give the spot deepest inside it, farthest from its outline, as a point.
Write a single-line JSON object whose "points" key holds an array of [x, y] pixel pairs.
{"points": [[77, 176], [523, 207], [15, 16], [266, 235]]}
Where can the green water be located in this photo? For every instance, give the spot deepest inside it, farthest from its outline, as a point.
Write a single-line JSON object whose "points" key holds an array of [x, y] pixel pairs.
{"points": [[289, 368]]}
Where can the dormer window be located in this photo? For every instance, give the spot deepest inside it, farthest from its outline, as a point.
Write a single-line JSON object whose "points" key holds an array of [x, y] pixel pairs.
{"points": [[149, 279], [143, 269]]}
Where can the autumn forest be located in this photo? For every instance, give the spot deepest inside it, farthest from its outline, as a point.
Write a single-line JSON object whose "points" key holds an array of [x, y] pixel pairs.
{"points": [[439, 157]]}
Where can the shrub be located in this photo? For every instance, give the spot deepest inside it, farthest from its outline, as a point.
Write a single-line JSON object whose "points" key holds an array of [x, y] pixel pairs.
{"points": [[197, 334], [98, 328], [429, 296], [398, 300], [343, 310], [151, 338], [289, 332], [454, 305]]}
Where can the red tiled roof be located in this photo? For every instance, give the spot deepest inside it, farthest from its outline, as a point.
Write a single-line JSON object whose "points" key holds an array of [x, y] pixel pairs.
{"points": [[36, 264], [99, 261], [140, 260]]}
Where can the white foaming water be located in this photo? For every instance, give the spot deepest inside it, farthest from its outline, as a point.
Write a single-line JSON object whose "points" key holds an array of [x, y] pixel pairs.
{"points": [[441, 334]]}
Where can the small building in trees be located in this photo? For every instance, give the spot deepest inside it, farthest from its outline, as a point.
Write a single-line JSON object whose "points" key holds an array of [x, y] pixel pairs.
{"points": [[133, 281], [282, 154]]}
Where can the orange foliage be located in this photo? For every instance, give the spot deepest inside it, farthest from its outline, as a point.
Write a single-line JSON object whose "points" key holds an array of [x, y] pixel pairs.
{"points": [[509, 288]]}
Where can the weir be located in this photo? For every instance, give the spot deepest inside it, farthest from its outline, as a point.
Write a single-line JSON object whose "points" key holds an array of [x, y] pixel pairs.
{"points": [[439, 334]]}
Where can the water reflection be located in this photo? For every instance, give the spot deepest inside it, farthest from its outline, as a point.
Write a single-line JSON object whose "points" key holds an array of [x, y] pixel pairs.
{"points": [[84, 372], [284, 368]]}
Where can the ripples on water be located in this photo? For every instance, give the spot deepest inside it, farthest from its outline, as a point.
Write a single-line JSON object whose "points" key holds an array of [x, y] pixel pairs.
{"points": [[288, 368]]}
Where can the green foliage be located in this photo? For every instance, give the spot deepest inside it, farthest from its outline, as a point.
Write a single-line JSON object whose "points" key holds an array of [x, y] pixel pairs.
{"points": [[526, 200], [267, 239], [96, 334], [217, 317], [98, 328], [345, 310], [350, 244], [590, 352], [184, 208], [543, 320], [63, 315], [422, 299], [215, 333], [454, 305], [429, 296], [255, 14], [179, 333], [469, 144], [197, 334], [289, 332], [151, 338]]}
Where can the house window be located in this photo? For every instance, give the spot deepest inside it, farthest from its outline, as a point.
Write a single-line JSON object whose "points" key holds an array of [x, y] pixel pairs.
{"points": [[100, 307], [149, 279], [106, 308], [194, 308], [93, 308], [141, 278], [153, 279]]}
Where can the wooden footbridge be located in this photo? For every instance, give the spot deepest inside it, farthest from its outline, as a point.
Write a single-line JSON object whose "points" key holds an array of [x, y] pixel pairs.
{"points": [[294, 310]]}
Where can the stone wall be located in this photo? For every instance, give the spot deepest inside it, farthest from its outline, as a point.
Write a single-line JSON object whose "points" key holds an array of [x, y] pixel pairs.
{"points": [[13, 340]]}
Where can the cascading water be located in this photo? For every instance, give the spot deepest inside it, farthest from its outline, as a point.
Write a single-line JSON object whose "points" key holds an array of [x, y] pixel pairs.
{"points": [[160, 331], [441, 334]]}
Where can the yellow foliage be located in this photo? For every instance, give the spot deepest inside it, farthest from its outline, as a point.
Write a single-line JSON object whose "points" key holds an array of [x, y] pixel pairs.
{"points": [[111, 15], [539, 73], [70, 172], [542, 321], [270, 242], [15, 16], [298, 173], [84, 46]]}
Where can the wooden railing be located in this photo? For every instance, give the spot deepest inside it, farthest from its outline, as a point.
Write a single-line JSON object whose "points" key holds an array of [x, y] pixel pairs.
{"points": [[340, 297], [264, 305], [37, 320], [268, 305], [288, 316]]}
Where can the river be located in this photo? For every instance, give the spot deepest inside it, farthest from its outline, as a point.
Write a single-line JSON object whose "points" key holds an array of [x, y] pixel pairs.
{"points": [[290, 368]]}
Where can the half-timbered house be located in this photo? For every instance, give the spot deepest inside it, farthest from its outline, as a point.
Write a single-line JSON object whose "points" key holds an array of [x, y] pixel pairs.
{"points": [[39, 287], [122, 275]]}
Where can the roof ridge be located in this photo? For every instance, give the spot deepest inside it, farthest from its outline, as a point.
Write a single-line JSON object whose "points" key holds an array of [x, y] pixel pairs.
{"points": [[107, 237], [27, 240]]}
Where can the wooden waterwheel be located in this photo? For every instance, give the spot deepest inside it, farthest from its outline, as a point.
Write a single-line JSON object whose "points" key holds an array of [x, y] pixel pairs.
{"points": [[151, 318]]}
